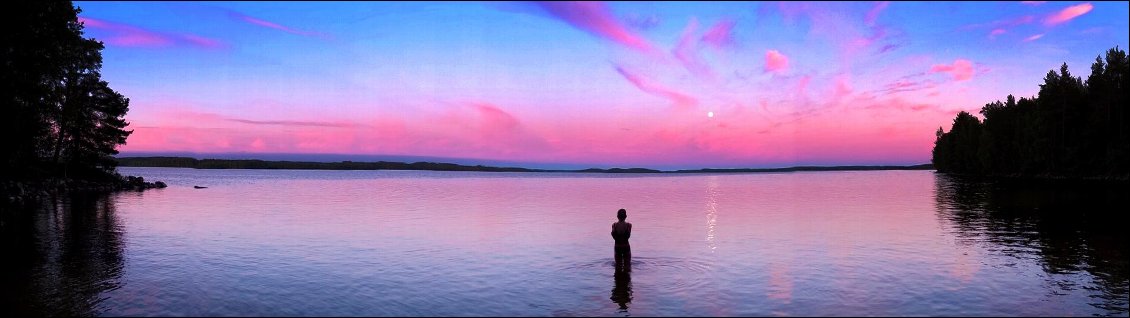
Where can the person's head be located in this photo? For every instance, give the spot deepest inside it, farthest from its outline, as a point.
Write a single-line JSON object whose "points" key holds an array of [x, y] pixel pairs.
{"points": [[622, 214]]}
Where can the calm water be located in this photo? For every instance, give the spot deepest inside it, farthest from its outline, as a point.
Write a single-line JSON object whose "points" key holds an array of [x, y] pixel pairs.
{"points": [[259, 242]]}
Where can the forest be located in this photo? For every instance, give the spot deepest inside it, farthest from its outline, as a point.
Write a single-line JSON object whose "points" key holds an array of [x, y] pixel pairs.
{"points": [[1073, 128]]}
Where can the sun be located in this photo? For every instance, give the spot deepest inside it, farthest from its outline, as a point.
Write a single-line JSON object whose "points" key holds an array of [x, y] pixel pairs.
{"points": [[710, 114]]}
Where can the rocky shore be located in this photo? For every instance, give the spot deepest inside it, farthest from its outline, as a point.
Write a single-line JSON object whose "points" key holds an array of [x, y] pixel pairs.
{"points": [[24, 191]]}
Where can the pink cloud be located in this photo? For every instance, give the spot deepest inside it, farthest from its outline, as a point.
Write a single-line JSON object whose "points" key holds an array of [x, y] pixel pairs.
{"points": [[202, 41], [849, 32], [909, 84], [1033, 3], [775, 61], [1034, 37], [650, 87], [686, 51], [258, 144], [843, 86], [127, 35], [292, 123], [184, 129], [999, 27], [1002, 24], [1018, 21], [596, 19], [901, 105], [179, 115], [121, 34], [1068, 14], [877, 33], [494, 118], [802, 86], [873, 14], [272, 25], [720, 35], [472, 129], [961, 69], [95, 23]]}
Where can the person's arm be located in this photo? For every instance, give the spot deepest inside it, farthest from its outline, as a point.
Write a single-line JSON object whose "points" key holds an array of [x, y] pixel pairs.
{"points": [[628, 234], [613, 230]]}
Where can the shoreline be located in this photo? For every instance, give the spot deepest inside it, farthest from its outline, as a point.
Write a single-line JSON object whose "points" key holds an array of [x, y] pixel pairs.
{"points": [[21, 191]]}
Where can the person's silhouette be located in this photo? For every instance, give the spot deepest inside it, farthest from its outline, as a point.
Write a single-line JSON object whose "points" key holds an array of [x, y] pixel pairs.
{"points": [[622, 251]]}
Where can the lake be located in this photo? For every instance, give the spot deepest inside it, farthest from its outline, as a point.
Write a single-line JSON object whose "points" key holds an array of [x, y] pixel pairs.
{"points": [[378, 243]]}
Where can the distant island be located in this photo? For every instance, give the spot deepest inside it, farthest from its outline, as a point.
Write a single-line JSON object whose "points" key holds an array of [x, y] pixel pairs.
{"points": [[186, 162]]}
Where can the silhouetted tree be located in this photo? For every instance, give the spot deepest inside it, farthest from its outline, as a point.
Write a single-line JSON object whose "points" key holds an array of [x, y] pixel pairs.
{"points": [[59, 115], [1071, 128]]}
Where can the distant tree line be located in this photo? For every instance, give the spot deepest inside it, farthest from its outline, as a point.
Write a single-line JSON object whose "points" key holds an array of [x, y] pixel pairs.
{"points": [[59, 117], [185, 162], [1072, 128]]}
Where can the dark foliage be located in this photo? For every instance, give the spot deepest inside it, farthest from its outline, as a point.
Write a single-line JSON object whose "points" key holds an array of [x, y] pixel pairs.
{"points": [[60, 117], [1073, 128]]}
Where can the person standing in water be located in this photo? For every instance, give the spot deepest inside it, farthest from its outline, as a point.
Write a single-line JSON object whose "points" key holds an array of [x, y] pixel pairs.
{"points": [[622, 251]]}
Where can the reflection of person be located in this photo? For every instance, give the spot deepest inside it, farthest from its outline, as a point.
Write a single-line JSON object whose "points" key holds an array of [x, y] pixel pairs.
{"points": [[622, 251], [622, 291]]}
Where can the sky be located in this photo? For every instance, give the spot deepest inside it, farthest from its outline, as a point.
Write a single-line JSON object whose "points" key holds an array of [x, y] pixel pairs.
{"points": [[666, 85]]}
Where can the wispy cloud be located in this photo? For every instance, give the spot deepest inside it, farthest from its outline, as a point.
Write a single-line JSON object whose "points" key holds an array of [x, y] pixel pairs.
{"points": [[873, 14], [889, 47], [596, 19], [853, 33], [775, 61], [643, 22], [292, 123], [272, 25], [127, 35], [961, 69], [1033, 3], [1069, 13], [203, 41], [902, 105], [720, 35], [1001, 24], [121, 34], [802, 86], [995, 32], [190, 116], [648, 86], [907, 85], [1034, 37], [686, 51]]}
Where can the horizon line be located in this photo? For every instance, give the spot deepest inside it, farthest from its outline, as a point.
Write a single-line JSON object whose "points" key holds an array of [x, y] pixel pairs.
{"points": [[580, 168]]}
